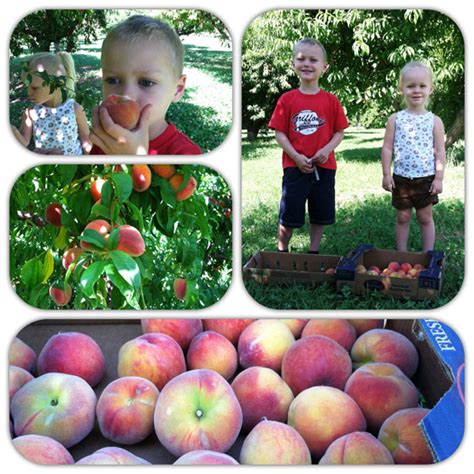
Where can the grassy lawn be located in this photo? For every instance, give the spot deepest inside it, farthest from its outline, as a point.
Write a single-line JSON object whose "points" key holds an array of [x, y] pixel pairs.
{"points": [[205, 111], [364, 215]]}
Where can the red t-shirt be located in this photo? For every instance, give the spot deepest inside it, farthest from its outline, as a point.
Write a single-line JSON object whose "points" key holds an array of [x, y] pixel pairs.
{"points": [[170, 142], [309, 121]]}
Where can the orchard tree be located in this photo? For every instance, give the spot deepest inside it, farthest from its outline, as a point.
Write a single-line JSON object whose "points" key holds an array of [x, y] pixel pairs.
{"points": [[187, 22], [120, 236], [61, 28], [366, 49]]}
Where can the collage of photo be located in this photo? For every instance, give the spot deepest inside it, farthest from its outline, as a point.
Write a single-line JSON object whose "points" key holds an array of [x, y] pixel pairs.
{"points": [[281, 304]]}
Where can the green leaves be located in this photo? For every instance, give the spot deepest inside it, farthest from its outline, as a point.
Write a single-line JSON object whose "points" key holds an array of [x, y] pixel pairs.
{"points": [[127, 268], [188, 238], [121, 270], [123, 185], [37, 270], [80, 205], [93, 237], [90, 277]]}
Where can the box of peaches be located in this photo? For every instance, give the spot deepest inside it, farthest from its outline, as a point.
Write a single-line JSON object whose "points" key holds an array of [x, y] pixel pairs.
{"points": [[236, 391], [414, 275], [276, 268]]}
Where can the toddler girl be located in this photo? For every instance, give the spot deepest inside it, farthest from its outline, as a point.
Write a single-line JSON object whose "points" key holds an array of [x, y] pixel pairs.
{"points": [[415, 139], [55, 125]]}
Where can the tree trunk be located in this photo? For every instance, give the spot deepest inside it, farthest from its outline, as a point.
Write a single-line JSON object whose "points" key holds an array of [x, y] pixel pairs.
{"points": [[456, 130], [252, 130]]}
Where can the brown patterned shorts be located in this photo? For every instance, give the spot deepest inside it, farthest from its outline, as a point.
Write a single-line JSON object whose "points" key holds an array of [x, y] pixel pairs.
{"points": [[409, 193]]}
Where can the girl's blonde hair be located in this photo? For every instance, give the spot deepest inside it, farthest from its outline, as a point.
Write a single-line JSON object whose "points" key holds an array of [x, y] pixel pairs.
{"points": [[56, 64], [414, 65]]}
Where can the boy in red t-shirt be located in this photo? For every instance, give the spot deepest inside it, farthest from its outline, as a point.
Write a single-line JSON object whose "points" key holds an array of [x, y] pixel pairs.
{"points": [[309, 124], [142, 58]]}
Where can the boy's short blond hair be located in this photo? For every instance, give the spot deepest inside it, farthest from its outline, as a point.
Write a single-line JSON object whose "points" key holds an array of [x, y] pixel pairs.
{"points": [[310, 42], [144, 28]]}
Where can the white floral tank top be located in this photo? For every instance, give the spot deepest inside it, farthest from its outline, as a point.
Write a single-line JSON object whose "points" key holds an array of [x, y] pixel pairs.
{"points": [[56, 127], [413, 145]]}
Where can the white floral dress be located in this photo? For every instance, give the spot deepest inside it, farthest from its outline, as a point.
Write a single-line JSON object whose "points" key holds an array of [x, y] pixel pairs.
{"points": [[414, 145], [56, 127]]}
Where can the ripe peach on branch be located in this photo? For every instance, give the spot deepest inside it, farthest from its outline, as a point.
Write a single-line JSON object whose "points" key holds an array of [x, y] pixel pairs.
{"points": [[141, 177], [60, 294], [176, 183], [53, 214]]}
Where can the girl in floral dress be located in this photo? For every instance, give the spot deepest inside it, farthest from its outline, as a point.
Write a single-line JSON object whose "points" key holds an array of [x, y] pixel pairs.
{"points": [[414, 139]]}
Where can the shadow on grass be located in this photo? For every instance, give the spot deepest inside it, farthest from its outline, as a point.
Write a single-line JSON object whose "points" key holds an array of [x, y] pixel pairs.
{"points": [[370, 221], [215, 63], [360, 155], [199, 124], [251, 150]]}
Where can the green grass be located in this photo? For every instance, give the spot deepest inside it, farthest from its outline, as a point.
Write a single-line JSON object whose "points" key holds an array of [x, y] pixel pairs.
{"points": [[204, 113], [364, 215]]}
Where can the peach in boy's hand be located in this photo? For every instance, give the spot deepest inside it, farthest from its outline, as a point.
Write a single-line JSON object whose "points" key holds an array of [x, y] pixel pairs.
{"points": [[122, 110], [114, 139]]}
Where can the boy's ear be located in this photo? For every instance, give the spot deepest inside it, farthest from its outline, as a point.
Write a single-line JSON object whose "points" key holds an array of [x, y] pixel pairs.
{"points": [[180, 87]]}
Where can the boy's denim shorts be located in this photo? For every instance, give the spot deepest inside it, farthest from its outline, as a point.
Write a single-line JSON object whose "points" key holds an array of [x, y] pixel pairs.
{"points": [[413, 193], [298, 187]]}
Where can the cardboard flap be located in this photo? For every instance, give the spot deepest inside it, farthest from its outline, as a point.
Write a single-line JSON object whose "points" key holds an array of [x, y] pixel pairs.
{"points": [[440, 378]]}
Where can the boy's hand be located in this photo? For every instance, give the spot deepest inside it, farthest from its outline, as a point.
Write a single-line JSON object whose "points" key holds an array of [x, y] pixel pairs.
{"points": [[113, 139], [436, 186], [304, 163], [321, 156], [388, 183]]}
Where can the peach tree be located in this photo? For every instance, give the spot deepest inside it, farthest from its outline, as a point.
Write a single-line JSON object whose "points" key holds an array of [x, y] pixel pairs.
{"points": [[120, 236]]}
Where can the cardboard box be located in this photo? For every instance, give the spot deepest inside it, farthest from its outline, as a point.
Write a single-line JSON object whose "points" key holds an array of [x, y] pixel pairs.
{"points": [[276, 268], [440, 379], [426, 287]]}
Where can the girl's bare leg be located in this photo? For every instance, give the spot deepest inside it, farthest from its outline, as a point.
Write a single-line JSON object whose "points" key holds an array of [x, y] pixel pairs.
{"points": [[402, 229], [424, 217]]}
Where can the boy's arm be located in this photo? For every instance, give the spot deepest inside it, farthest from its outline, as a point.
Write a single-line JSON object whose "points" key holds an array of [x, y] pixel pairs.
{"points": [[83, 128], [387, 151], [440, 156], [303, 162], [322, 155]]}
